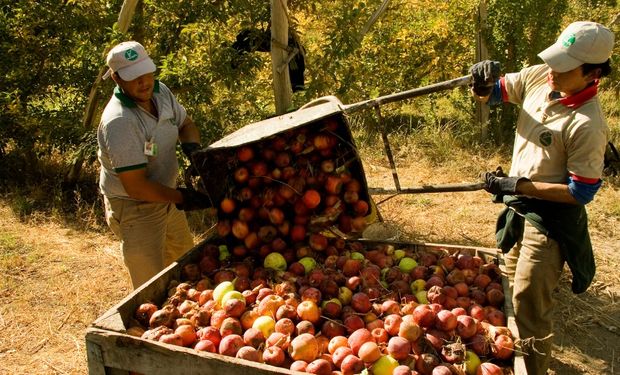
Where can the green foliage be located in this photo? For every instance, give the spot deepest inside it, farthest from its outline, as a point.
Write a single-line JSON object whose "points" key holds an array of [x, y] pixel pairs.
{"points": [[48, 56]]}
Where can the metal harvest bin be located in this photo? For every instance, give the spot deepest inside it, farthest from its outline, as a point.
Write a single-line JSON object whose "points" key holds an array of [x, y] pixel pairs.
{"points": [[217, 162]]}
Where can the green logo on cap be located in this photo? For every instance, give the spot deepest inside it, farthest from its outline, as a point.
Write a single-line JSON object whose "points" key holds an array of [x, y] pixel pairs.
{"points": [[131, 55], [569, 40]]}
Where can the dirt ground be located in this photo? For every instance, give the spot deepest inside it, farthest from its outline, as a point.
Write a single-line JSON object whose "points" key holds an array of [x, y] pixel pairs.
{"points": [[56, 279]]}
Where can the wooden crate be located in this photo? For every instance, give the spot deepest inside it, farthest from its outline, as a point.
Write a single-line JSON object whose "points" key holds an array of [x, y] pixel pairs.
{"points": [[110, 350]]}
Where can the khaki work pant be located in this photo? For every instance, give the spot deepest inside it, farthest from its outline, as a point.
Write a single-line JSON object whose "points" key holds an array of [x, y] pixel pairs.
{"points": [[153, 235], [534, 266]]}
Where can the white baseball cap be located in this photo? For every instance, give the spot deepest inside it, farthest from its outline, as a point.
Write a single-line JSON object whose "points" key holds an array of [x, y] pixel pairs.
{"points": [[580, 43], [129, 60]]}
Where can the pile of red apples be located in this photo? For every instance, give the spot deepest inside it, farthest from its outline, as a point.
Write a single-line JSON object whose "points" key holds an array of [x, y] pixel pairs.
{"points": [[375, 307], [294, 183]]}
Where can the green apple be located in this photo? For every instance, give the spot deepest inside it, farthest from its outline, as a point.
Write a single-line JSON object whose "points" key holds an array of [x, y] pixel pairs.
{"points": [[309, 263], [224, 253], [384, 365], [417, 285], [357, 256], [406, 264], [399, 254], [345, 295], [221, 289], [233, 294], [421, 296], [265, 324], [275, 261], [471, 362]]}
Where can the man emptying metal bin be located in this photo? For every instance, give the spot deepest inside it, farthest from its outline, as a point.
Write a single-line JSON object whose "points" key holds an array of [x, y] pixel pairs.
{"points": [[137, 138], [557, 163]]}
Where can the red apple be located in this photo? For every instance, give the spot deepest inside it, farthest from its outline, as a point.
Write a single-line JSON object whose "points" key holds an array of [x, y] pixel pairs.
{"points": [[311, 198], [245, 153], [318, 242], [399, 348], [230, 345], [361, 302], [283, 159], [274, 355]]}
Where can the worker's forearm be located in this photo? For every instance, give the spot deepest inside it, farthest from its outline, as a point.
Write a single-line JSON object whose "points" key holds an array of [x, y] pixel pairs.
{"points": [[546, 191], [150, 191], [189, 132]]}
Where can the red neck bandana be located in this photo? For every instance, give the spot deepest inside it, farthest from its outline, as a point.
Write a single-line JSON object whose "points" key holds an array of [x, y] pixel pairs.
{"points": [[576, 100]]}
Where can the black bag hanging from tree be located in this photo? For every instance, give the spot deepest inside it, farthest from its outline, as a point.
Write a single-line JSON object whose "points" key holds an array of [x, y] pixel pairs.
{"points": [[256, 40]]}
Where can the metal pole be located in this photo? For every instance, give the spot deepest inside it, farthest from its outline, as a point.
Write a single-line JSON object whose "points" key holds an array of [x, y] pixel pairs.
{"points": [[441, 86]]}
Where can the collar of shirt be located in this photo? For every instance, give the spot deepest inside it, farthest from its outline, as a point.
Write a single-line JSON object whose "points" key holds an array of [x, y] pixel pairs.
{"points": [[576, 100], [126, 100]]}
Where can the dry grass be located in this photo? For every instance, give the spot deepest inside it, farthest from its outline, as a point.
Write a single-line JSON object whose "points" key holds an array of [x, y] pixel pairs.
{"points": [[56, 280]]}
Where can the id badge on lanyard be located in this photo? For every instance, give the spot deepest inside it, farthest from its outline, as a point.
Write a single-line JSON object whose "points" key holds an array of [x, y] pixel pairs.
{"points": [[150, 148]]}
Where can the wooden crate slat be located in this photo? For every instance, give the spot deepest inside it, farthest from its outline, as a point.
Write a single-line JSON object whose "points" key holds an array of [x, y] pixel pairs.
{"points": [[117, 350]]}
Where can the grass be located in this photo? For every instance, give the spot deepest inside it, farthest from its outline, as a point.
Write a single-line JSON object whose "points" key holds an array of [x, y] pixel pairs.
{"points": [[55, 281], [15, 258]]}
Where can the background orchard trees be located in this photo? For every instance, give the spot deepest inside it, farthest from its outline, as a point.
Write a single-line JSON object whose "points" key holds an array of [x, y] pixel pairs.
{"points": [[47, 56]]}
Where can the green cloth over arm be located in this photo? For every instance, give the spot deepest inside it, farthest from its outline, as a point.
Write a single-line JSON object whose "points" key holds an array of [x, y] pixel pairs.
{"points": [[565, 223]]}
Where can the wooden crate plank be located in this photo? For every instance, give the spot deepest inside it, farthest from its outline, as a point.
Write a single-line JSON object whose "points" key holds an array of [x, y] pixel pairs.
{"points": [[153, 358], [95, 358], [119, 316]]}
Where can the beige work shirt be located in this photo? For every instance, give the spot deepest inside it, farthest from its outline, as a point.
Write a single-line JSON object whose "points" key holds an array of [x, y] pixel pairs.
{"points": [[553, 139]]}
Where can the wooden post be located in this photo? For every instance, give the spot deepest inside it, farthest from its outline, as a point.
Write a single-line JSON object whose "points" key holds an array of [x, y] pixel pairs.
{"points": [[124, 20], [482, 110], [279, 62]]}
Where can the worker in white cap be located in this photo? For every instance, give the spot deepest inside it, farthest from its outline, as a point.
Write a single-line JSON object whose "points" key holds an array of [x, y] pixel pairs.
{"points": [[137, 137], [557, 164]]}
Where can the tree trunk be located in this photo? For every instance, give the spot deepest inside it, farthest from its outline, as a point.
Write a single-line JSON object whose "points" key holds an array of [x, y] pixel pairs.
{"points": [[279, 41], [75, 169], [482, 110]]}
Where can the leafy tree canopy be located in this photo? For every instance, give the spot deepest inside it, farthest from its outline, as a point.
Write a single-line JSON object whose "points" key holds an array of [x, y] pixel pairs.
{"points": [[51, 52]]}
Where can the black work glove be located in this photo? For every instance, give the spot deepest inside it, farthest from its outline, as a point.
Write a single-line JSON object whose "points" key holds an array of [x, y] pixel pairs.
{"points": [[193, 200], [188, 149], [485, 73], [499, 184]]}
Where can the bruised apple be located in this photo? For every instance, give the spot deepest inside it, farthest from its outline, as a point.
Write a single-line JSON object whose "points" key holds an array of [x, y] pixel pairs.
{"points": [[304, 348]]}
